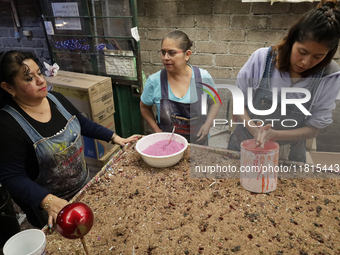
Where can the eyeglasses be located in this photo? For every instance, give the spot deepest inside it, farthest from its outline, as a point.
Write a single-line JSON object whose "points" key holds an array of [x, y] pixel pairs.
{"points": [[171, 53]]}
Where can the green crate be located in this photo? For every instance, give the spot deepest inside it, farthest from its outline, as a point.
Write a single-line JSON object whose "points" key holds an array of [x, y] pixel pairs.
{"points": [[127, 116]]}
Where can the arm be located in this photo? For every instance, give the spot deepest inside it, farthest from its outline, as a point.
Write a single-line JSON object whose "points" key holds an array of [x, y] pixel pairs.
{"points": [[150, 96], [148, 116], [266, 133], [213, 110], [303, 133], [94, 130], [13, 177]]}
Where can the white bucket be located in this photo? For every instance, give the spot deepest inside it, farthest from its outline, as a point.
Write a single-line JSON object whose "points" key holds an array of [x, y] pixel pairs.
{"points": [[26, 242], [259, 167]]}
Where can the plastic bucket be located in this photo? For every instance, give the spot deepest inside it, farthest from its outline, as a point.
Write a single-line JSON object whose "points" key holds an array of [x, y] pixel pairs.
{"points": [[9, 225], [27, 242], [259, 167]]}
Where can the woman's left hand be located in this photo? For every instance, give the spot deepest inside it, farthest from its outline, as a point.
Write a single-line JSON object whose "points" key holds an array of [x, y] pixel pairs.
{"points": [[203, 132], [122, 141]]}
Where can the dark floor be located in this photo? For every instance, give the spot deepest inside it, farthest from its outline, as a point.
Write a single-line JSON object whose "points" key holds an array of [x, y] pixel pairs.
{"points": [[24, 224]]}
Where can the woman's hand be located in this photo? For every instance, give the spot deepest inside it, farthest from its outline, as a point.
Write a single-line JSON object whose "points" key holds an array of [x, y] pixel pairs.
{"points": [[53, 205], [203, 132], [158, 130], [122, 141], [263, 134]]}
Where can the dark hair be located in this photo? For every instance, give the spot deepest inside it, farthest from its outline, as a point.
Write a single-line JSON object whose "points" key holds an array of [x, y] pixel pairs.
{"points": [[183, 39], [321, 25], [11, 62]]}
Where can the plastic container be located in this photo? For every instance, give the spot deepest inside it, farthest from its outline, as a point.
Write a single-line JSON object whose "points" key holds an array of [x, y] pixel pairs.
{"points": [[160, 161], [27, 242], [259, 167]]}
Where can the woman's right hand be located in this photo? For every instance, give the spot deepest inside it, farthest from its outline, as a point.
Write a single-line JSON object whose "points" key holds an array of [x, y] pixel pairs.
{"points": [[262, 135], [53, 206], [122, 141]]}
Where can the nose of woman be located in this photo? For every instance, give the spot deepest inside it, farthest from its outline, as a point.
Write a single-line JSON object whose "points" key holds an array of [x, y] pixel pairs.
{"points": [[40, 79], [306, 60]]}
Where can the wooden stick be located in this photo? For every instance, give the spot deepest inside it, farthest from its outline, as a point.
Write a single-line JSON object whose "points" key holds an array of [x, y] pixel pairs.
{"points": [[84, 244], [182, 118]]}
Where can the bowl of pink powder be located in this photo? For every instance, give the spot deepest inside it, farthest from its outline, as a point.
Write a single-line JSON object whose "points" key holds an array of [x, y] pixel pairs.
{"points": [[157, 152]]}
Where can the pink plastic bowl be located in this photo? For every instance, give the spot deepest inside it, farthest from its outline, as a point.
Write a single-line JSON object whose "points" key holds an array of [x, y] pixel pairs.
{"points": [[160, 161]]}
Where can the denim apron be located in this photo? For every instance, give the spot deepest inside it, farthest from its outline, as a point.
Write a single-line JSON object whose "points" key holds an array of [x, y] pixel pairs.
{"points": [[61, 157], [186, 117], [262, 100]]}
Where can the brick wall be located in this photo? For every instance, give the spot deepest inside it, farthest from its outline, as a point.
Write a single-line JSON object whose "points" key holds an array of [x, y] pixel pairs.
{"points": [[30, 19], [225, 33]]}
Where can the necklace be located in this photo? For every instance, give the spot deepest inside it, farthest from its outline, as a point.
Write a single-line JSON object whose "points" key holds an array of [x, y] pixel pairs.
{"points": [[40, 112]]}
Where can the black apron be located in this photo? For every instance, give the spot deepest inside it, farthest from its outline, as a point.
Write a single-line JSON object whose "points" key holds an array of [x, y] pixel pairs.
{"points": [[186, 117], [62, 167]]}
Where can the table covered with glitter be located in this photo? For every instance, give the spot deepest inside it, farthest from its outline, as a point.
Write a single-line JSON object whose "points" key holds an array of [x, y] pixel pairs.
{"points": [[139, 209]]}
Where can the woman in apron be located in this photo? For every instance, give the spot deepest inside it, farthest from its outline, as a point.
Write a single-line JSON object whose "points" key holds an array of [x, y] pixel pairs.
{"points": [[42, 162], [177, 91], [302, 60]]}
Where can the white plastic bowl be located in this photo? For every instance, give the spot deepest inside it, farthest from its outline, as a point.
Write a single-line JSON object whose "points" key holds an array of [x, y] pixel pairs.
{"points": [[160, 161], [26, 242]]}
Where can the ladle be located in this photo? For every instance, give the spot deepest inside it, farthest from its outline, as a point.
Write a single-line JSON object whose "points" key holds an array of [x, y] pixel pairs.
{"points": [[172, 135]]}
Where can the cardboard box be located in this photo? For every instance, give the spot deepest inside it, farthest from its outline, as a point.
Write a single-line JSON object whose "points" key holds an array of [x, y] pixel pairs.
{"points": [[329, 159], [311, 144], [309, 159], [81, 76], [90, 94], [95, 165], [96, 149]]}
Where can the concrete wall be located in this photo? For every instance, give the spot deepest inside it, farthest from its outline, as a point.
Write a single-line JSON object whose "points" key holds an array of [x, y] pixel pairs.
{"points": [[225, 33], [30, 20]]}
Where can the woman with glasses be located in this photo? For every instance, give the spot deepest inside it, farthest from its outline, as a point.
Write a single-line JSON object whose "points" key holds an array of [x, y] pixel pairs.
{"points": [[179, 92], [303, 60]]}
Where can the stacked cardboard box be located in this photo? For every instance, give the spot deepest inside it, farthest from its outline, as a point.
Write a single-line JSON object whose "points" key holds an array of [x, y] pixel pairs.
{"points": [[92, 95]]}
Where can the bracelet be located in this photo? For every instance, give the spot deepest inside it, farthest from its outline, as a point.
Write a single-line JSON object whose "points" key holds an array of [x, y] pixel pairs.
{"points": [[113, 137], [47, 204]]}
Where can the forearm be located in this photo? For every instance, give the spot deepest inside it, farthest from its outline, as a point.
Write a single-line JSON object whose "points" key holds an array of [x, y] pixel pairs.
{"points": [[13, 177], [92, 129], [298, 134], [212, 114]]}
